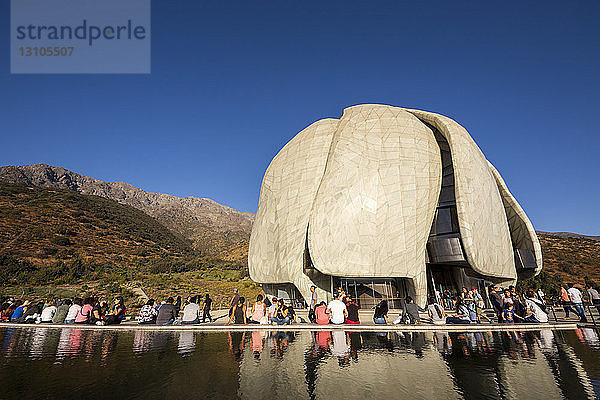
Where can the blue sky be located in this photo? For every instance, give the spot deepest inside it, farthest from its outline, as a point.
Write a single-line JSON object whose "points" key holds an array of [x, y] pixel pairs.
{"points": [[231, 83]]}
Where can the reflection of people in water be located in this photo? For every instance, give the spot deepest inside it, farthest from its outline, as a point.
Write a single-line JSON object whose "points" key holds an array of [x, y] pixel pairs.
{"points": [[36, 348], [323, 339], [187, 343], [236, 341], [109, 343], [356, 343], [442, 342], [142, 341], [341, 347], [76, 341], [281, 342], [257, 344]]}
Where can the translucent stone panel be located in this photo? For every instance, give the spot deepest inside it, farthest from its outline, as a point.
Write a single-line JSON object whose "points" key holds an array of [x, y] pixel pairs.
{"points": [[375, 205], [481, 218], [521, 229], [287, 193]]}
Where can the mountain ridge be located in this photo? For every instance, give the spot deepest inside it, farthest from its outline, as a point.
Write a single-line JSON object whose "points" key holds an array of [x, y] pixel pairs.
{"points": [[213, 228], [570, 235]]}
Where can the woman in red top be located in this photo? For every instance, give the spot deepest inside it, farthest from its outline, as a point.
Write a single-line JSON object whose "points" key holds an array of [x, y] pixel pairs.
{"points": [[321, 314]]}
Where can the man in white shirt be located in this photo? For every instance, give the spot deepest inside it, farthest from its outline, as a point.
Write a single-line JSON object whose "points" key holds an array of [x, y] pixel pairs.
{"points": [[577, 300], [337, 310]]}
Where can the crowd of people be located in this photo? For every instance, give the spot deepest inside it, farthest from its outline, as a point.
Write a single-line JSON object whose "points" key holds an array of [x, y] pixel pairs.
{"points": [[64, 311], [467, 307]]}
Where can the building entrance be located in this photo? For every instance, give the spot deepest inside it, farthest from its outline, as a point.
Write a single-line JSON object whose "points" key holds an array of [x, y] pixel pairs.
{"points": [[369, 292]]}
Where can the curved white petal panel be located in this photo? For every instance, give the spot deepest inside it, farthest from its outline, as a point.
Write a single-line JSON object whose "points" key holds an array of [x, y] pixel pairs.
{"points": [[521, 229], [287, 193], [374, 208], [481, 218]]}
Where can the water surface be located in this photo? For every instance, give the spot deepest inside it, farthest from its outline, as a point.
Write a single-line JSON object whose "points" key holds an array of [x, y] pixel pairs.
{"points": [[100, 364]]}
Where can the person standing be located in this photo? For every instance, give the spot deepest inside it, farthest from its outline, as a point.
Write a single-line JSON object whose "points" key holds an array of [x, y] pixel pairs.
{"points": [[565, 300], [541, 295], [479, 305], [594, 296], [235, 299], [337, 310], [206, 308], [577, 300], [313, 304], [496, 301]]}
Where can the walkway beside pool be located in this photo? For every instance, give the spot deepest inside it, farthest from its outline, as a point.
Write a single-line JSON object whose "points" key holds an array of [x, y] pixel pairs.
{"points": [[219, 324]]}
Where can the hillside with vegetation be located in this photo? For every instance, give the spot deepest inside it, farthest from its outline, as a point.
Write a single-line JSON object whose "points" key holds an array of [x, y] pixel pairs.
{"points": [[58, 239], [567, 259]]}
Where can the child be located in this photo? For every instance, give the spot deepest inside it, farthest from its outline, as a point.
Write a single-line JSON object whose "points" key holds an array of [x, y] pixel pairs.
{"points": [[509, 314]]}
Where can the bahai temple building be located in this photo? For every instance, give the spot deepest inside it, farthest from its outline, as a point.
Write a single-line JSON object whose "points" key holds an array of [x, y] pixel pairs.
{"points": [[387, 202]]}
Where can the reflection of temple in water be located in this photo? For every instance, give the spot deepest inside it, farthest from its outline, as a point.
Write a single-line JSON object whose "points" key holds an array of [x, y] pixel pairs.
{"points": [[307, 365]]}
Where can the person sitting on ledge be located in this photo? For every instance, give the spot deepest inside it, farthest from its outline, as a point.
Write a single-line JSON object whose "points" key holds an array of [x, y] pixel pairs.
{"points": [[352, 311], [99, 311], [148, 313], [436, 312], [291, 313], [61, 311], [167, 313], [17, 315], [337, 310], [85, 312], [280, 316], [410, 315], [238, 313], [48, 312], [74, 310], [191, 312], [321, 316], [536, 309], [259, 311], [462, 313], [8, 309], [381, 311], [117, 314], [32, 315]]}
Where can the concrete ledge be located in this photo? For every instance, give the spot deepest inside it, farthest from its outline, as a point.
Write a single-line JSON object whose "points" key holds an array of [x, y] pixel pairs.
{"points": [[127, 326]]}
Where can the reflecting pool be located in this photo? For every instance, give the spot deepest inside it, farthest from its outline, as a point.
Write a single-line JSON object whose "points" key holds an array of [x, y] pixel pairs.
{"points": [[78, 363]]}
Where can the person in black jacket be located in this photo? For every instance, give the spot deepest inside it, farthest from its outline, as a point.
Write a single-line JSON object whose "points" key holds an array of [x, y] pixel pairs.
{"points": [[496, 300]]}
